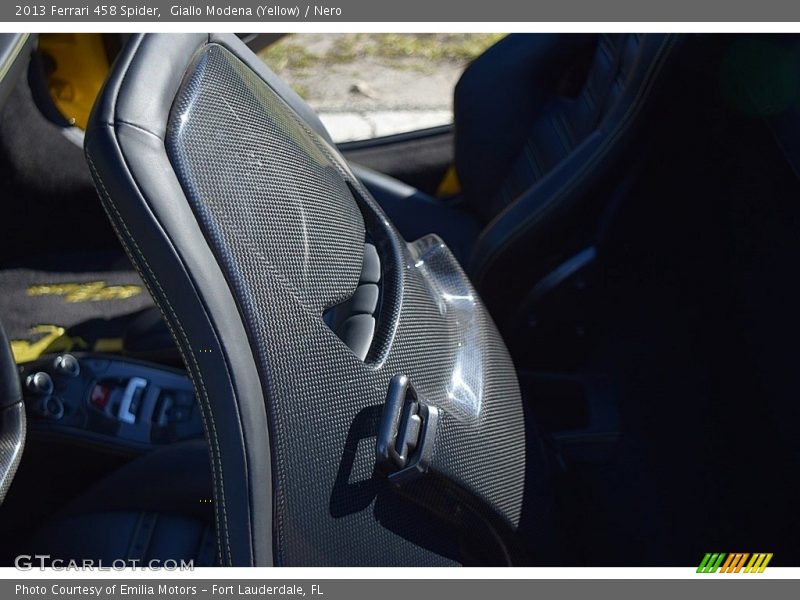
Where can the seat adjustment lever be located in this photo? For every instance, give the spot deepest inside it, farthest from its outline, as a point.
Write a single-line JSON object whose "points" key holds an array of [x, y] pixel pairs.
{"points": [[407, 431]]}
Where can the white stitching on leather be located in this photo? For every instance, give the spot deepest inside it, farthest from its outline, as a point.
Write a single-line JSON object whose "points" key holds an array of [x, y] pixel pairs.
{"points": [[215, 453]]}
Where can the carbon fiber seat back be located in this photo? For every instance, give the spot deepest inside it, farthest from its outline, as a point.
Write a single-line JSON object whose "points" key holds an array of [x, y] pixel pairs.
{"points": [[249, 229]]}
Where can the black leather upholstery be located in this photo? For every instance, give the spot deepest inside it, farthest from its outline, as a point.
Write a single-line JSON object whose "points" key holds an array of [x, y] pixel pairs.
{"points": [[541, 121], [12, 416], [10, 390], [503, 101], [540, 208], [136, 537], [156, 508], [147, 337], [127, 132]]}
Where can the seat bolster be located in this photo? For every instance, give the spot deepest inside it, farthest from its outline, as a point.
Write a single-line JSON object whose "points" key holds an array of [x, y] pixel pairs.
{"points": [[157, 507], [522, 228], [491, 124], [547, 215], [137, 538], [140, 192]]}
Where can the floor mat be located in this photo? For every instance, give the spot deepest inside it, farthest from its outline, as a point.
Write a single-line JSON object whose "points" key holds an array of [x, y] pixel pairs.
{"points": [[44, 311]]}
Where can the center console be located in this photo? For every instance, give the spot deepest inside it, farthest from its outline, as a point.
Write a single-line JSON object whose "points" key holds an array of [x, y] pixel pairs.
{"points": [[110, 401]]}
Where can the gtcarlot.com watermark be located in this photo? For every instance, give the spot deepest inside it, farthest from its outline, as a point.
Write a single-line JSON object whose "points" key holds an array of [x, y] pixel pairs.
{"points": [[30, 562]]}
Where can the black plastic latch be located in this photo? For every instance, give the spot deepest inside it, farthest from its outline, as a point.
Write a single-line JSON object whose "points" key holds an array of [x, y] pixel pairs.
{"points": [[407, 432]]}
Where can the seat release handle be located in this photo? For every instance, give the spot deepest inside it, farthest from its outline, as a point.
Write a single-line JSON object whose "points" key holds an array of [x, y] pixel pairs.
{"points": [[407, 431]]}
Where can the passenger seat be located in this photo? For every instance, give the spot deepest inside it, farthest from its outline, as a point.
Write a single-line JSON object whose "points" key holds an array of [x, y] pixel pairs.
{"points": [[541, 121]]}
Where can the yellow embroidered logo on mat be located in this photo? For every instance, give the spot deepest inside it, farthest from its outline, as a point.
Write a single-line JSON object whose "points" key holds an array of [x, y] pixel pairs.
{"points": [[92, 291]]}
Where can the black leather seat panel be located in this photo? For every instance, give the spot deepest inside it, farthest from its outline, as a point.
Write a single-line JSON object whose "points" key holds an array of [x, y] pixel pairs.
{"points": [[156, 508], [138, 538], [549, 219], [566, 121], [124, 142], [541, 124], [501, 102]]}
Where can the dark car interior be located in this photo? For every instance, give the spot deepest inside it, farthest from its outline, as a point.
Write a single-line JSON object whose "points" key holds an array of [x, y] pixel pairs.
{"points": [[232, 341]]}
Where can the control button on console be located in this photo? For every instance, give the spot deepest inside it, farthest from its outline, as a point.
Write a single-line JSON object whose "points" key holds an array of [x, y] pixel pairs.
{"points": [[67, 365], [129, 403], [39, 383], [54, 408], [100, 396]]}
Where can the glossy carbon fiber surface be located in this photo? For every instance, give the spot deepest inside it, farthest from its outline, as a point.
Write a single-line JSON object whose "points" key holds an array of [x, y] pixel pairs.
{"points": [[12, 441], [287, 222]]}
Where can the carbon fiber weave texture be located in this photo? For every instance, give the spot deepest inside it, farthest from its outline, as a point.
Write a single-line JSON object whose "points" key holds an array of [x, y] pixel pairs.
{"points": [[286, 220], [12, 442]]}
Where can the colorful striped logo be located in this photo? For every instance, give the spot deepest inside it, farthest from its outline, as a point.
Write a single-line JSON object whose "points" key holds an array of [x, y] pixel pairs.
{"points": [[722, 562]]}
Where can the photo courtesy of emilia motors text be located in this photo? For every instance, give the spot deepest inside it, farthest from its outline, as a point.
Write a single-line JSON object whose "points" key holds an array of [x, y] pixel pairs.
{"points": [[360, 299]]}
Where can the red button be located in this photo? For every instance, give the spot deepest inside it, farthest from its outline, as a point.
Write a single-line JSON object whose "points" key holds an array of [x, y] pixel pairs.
{"points": [[99, 396]]}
